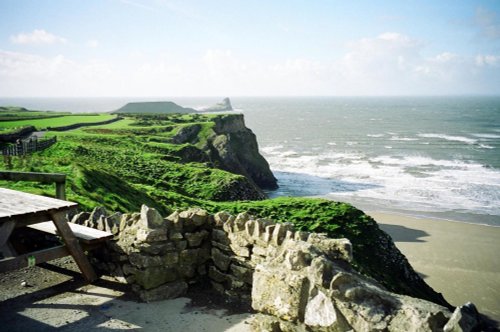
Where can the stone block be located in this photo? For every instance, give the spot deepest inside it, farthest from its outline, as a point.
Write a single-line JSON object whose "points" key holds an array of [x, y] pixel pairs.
{"points": [[279, 293], [151, 235], [228, 225], [195, 239], [222, 247], [240, 251], [333, 248], [155, 276], [142, 261], [242, 273], [220, 218], [174, 235], [220, 236], [188, 256], [150, 218], [180, 245], [221, 260], [268, 233], [320, 311], [170, 259], [167, 291], [216, 275]]}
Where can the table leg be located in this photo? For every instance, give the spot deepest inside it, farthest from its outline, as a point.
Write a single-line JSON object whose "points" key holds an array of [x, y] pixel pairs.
{"points": [[73, 246], [6, 249]]}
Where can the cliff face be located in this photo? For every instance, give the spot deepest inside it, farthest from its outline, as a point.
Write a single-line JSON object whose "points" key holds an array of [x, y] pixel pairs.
{"points": [[234, 148]]}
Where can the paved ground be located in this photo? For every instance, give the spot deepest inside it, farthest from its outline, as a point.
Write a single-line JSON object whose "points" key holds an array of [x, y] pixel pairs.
{"points": [[56, 298]]}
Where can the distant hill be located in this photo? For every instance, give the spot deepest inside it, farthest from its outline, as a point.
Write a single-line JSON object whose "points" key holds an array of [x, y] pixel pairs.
{"points": [[223, 106], [161, 107]]}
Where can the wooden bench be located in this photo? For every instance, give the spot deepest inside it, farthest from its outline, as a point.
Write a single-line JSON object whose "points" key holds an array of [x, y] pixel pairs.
{"points": [[88, 237]]}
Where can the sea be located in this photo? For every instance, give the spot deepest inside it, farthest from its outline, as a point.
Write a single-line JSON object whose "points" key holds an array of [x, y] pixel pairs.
{"points": [[435, 157]]}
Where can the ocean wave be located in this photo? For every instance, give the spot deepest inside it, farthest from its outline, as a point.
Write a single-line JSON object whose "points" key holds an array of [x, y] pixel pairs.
{"points": [[411, 182], [375, 135], [404, 139], [461, 139], [492, 136]]}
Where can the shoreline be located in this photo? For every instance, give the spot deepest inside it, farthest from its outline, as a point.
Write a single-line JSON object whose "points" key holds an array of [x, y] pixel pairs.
{"points": [[456, 258]]}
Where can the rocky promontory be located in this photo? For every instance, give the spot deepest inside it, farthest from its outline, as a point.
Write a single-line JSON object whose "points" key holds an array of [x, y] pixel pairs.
{"points": [[223, 106]]}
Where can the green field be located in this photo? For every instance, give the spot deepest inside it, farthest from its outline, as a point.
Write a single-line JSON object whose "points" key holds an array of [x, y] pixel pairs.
{"points": [[55, 122]]}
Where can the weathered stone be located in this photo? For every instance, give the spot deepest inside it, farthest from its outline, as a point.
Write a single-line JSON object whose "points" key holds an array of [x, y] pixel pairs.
{"points": [[180, 245], [242, 273], [333, 248], [176, 222], [142, 261], [220, 259], [155, 276], [220, 218], [151, 235], [278, 293], [188, 256], [220, 236], [296, 259], [196, 215], [187, 271], [160, 248], [217, 275], [96, 214], [80, 218], [240, 251], [170, 290], [240, 239], [175, 236], [228, 225], [170, 258], [258, 250], [464, 319], [222, 247], [321, 271], [268, 233], [204, 254], [195, 239], [279, 233], [320, 311], [240, 221], [150, 218], [301, 236], [202, 269]]}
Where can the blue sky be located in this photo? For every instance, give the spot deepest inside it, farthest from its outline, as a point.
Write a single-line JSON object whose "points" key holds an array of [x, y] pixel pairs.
{"points": [[248, 48]]}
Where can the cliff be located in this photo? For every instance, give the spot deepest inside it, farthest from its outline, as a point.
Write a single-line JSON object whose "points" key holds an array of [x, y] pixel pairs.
{"points": [[229, 145]]}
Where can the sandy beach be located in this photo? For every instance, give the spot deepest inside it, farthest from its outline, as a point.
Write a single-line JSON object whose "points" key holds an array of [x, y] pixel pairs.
{"points": [[457, 259]]}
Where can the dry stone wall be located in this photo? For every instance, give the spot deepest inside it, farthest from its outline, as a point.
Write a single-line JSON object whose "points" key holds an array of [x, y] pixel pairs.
{"points": [[296, 281]]}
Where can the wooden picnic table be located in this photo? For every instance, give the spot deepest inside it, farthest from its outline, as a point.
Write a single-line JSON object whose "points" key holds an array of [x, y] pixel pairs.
{"points": [[19, 209]]}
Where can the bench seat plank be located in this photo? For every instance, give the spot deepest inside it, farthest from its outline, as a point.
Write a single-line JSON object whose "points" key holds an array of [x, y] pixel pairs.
{"points": [[83, 233]]}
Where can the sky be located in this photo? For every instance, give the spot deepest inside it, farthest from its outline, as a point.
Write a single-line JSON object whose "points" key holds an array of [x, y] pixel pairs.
{"points": [[125, 48]]}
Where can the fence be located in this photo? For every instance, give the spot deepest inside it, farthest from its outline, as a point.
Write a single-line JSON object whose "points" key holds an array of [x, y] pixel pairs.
{"points": [[28, 146]]}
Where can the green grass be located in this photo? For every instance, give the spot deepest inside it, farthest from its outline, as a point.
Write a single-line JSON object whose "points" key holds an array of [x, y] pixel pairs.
{"points": [[56, 122]]}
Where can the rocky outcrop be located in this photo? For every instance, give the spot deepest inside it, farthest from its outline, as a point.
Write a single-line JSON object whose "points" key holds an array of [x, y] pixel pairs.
{"points": [[223, 106], [234, 148], [295, 280]]}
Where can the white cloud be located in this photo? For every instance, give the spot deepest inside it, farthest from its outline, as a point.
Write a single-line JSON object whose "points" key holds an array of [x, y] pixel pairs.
{"points": [[37, 36], [92, 43], [487, 60], [387, 64]]}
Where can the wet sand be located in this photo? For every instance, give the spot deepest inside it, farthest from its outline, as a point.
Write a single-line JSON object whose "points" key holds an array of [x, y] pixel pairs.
{"points": [[459, 260]]}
